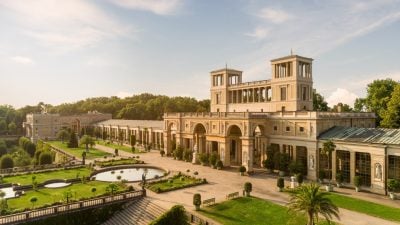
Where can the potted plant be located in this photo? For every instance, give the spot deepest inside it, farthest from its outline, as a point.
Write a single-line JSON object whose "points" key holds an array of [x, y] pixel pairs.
{"points": [[242, 170], [339, 179], [299, 178], [197, 201], [280, 183], [393, 185], [357, 182], [327, 149], [219, 165], [162, 153], [248, 187]]}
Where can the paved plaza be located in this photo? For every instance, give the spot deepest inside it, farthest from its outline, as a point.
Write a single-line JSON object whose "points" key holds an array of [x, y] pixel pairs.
{"points": [[223, 182]]}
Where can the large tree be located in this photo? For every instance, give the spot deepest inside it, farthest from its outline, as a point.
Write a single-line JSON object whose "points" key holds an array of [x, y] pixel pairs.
{"points": [[319, 103], [309, 199], [379, 93], [359, 105], [391, 117], [73, 141]]}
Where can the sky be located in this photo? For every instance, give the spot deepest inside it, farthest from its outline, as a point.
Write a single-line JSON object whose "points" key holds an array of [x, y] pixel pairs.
{"points": [[56, 51]]}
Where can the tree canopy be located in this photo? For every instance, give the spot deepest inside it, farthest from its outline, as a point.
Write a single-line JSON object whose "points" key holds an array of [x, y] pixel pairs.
{"points": [[319, 103], [391, 117]]}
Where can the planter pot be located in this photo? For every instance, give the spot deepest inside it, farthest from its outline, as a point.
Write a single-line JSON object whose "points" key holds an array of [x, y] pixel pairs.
{"points": [[197, 207], [357, 189], [281, 173], [280, 189], [392, 196], [241, 173], [329, 188]]}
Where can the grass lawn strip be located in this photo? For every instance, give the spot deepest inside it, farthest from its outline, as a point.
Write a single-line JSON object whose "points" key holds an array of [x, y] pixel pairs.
{"points": [[118, 162], [117, 146], [254, 211], [366, 207], [48, 196], [77, 152], [174, 183], [44, 176]]}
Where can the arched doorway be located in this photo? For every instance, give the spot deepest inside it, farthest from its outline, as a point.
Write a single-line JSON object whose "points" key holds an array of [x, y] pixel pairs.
{"points": [[235, 145], [171, 137], [259, 145], [199, 138]]}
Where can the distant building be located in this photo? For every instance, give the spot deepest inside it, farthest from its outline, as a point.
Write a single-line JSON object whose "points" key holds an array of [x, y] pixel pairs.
{"points": [[46, 126]]}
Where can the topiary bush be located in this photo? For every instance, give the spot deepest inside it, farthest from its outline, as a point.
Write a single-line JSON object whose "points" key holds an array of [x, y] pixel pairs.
{"points": [[280, 183], [45, 158], [6, 162], [197, 201], [213, 158], [248, 187], [242, 170], [219, 164]]}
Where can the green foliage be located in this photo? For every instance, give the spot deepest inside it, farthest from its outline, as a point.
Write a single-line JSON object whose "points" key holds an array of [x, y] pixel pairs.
{"points": [[359, 105], [269, 162], [379, 93], [299, 178], [242, 169], [393, 185], [3, 147], [63, 135], [178, 153], [45, 158], [327, 149], [219, 164], [197, 199], [12, 128], [30, 148], [203, 157], [319, 103], [133, 141], [357, 181], [296, 167], [33, 200], [178, 181], [87, 141], [73, 141], [280, 182], [284, 160], [21, 158], [3, 126], [187, 155], [176, 215], [6, 161], [112, 188], [310, 200], [162, 153], [343, 108], [339, 178], [391, 117], [248, 187], [214, 157]]}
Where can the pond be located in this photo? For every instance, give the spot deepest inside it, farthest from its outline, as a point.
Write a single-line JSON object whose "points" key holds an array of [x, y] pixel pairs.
{"points": [[9, 191], [57, 185], [130, 174]]}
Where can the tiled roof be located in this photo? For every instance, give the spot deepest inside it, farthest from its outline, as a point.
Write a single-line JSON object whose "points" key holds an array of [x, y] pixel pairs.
{"points": [[364, 135], [156, 124]]}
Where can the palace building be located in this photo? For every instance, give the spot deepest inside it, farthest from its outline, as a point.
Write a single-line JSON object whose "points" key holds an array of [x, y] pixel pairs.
{"points": [[246, 118]]}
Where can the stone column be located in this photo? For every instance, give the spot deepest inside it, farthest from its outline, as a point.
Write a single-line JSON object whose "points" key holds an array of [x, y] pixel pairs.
{"points": [[247, 153], [224, 152], [352, 166], [333, 163]]}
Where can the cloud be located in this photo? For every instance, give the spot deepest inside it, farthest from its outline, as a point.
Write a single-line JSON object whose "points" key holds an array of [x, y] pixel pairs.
{"points": [[341, 95], [160, 7], [63, 25], [274, 15], [124, 94], [22, 60], [259, 33]]}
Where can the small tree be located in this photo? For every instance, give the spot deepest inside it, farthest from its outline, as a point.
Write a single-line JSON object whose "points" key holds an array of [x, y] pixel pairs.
{"points": [[34, 183], [197, 201], [73, 141], [248, 187], [3, 203], [162, 153], [63, 135], [45, 158], [112, 188], [116, 152], [33, 200], [280, 183], [84, 158], [357, 182], [87, 141], [242, 170], [327, 149], [94, 191], [6, 161], [133, 142], [67, 195], [213, 159]]}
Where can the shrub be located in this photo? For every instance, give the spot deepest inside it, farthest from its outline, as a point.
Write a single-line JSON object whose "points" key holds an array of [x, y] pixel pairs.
{"points": [[196, 173], [393, 185], [357, 181], [248, 187], [203, 158], [6, 161], [242, 169], [280, 182], [176, 215], [283, 161], [219, 164], [187, 155], [276, 160], [321, 175], [299, 178], [197, 199], [162, 153], [45, 158], [296, 167], [178, 153], [213, 158]]}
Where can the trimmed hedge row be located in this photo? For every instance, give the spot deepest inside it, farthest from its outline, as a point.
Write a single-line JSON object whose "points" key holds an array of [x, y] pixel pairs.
{"points": [[197, 181]]}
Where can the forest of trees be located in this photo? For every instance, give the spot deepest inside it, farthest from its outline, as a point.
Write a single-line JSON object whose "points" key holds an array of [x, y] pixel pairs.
{"points": [[138, 107], [383, 98]]}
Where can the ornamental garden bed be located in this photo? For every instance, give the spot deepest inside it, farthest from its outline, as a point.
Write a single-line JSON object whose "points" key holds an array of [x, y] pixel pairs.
{"points": [[119, 147], [176, 182], [93, 153], [118, 162]]}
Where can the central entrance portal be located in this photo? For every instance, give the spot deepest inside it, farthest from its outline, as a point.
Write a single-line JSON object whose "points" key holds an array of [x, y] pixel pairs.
{"points": [[235, 145]]}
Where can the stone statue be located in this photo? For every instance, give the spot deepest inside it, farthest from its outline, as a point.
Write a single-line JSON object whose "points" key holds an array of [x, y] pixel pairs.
{"points": [[143, 180], [378, 171], [312, 162]]}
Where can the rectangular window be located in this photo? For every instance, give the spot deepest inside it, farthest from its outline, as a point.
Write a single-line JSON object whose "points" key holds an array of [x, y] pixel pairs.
{"points": [[305, 93], [287, 129], [301, 129], [275, 128], [343, 164], [394, 167], [283, 93], [363, 168]]}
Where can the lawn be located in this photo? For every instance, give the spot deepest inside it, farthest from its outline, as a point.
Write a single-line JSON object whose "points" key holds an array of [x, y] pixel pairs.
{"points": [[52, 195], [362, 206], [44, 176], [118, 162], [174, 183], [77, 152], [254, 211], [117, 146]]}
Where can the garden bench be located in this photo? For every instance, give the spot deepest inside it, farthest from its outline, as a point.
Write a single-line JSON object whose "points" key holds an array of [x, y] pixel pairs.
{"points": [[209, 202], [232, 195]]}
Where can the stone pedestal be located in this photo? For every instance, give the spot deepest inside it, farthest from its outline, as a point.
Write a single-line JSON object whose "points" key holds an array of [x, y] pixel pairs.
{"points": [[195, 157], [293, 183]]}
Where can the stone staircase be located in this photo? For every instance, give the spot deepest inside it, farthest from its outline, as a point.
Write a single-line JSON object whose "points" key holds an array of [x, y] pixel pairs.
{"points": [[139, 212]]}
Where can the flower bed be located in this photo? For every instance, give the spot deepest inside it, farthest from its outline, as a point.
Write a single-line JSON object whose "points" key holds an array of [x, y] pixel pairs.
{"points": [[176, 182]]}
